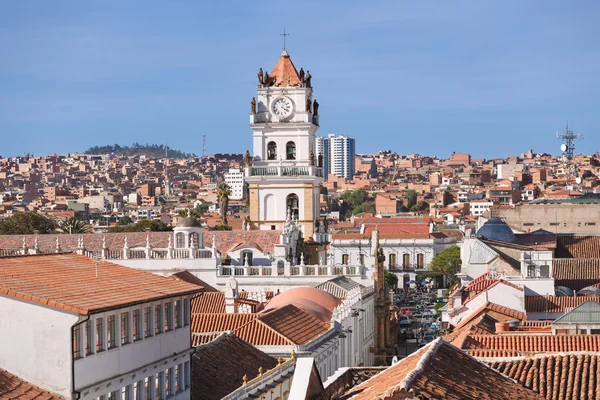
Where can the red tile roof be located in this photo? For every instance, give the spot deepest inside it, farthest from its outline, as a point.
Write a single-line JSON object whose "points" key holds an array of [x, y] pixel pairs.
{"points": [[13, 387], [225, 240], [555, 304], [576, 273], [573, 376], [77, 284], [283, 326], [215, 324], [537, 343], [495, 311], [284, 72], [218, 367], [578, 246], [439, 371], [477, 286]]}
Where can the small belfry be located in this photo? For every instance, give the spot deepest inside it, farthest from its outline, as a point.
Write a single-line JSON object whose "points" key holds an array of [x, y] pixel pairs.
{"points": [[383, 304], [282, 174]]}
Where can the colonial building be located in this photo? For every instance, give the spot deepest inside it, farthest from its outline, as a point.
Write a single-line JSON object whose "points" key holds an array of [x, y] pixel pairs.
{"points": [[95, 330], [284, 174]]}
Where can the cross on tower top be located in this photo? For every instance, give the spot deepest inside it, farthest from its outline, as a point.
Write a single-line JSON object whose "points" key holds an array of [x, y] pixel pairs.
{"points": [[284, 35]]}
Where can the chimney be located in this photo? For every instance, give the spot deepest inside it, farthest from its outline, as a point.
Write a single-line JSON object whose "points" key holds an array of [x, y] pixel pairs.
{"points": [[231, 292], [502, 327]]}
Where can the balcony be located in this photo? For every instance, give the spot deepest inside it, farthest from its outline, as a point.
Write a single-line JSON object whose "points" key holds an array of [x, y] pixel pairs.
{"points": [[286, 171]]}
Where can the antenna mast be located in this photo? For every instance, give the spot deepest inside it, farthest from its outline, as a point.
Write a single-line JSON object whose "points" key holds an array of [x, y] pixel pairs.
{"points": [[568, 148], [203, 146], [166, 150]]}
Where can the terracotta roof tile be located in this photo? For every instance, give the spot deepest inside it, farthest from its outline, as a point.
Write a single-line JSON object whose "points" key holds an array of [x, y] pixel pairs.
{"points": [[571, 376], [284, 72], [536, 343], [218, 367], [440, 371], [555, 304], [576, 273], [93, 242], [578, 246], [76, 283], [283, 326], [205, 327], [13, 387]]}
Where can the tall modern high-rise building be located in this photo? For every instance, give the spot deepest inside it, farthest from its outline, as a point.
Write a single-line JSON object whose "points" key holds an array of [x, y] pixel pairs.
{"points": [[338, 155]]}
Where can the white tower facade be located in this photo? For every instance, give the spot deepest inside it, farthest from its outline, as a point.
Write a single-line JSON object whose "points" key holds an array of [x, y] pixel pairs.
{"points": [[284, 175]]}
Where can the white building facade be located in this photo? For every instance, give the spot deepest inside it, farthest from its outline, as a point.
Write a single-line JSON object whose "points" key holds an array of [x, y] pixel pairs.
{"points": [[284, 174], [235, 179]]}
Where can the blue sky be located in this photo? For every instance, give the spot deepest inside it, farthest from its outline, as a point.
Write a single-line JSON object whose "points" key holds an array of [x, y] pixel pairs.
{"points": [[492, 78]]}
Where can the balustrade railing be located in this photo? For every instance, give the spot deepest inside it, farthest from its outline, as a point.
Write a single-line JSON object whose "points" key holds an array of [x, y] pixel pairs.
{"points": [[294, 271], [286, 170], [137, 254], [7, 252], [160, 254]]}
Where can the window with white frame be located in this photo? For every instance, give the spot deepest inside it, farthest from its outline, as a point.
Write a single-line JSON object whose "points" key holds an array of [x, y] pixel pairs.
{"points": [[137, 325], [89, 338], [177, 310], [147, 322], [158, 319], [77, 342], [158, 385], [186, 372], [137, 390], [99, 334], [186, 312], [111, 332], [168, 316], [124, 328], [125, 392], [112, 395], [168, 376], [148, 388], [178, 378]]}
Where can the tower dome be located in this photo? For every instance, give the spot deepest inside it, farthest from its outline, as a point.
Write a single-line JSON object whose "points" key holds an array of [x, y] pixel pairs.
{"points": [[496, 229]]}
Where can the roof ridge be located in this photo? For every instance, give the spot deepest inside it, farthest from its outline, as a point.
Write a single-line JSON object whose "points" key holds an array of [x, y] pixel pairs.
{"points": [[421, 364]]}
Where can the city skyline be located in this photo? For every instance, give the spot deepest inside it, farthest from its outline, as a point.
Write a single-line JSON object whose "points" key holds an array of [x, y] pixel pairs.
{"points": [[78, 76]]}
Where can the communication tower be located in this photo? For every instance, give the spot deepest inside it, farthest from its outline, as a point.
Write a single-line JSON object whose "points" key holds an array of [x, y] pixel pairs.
{"points": [[568, 147], [203, 146]]}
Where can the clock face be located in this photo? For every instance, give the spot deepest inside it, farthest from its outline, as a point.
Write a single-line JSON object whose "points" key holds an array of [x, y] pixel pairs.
{"points": [[282, 107]]}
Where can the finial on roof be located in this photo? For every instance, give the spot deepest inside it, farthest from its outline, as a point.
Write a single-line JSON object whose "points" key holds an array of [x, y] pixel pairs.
{"points": [[57, 244], [35, 243], [104, 241], [279, 361], [293, 354], [245, 379], [284, 35], [260, 371], [189, 213], [24, 242]]}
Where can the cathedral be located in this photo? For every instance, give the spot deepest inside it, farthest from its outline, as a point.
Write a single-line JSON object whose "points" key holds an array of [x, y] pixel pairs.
{"points": [[284, 173]]}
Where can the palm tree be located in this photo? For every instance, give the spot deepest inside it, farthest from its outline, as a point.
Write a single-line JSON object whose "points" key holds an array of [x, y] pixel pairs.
{"points": [[73, 225], [223, 193], [193, 212]]}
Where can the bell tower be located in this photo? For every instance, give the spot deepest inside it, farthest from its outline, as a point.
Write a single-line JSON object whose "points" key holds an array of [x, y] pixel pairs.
{"points": [[284, 175]]}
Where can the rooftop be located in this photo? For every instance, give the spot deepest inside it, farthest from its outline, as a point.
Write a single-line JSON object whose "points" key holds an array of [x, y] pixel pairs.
{"points": [[78, 284], [439, 370], [13, 387]]}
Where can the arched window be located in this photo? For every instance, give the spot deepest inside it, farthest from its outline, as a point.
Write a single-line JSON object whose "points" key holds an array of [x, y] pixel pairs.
{"points": [[272, 151], [420, 260], [180, 240], [194, 240], [392, 260], [406, 260], [280, 267], [292, 205], [290, 151], [246, 255], [345, 259]]}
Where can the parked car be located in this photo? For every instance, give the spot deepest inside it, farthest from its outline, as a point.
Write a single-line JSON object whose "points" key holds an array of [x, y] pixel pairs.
{"points": [[428, 338], [405, 320]]}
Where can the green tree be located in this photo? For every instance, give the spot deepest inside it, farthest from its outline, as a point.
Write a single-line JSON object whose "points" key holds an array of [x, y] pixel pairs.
{"points": [[421, 206], [142, 225], [26, 224], [411, 198], [73, 225], [390, 280], [223, 193], [221, 227], [125, 220], [447, 263]]}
